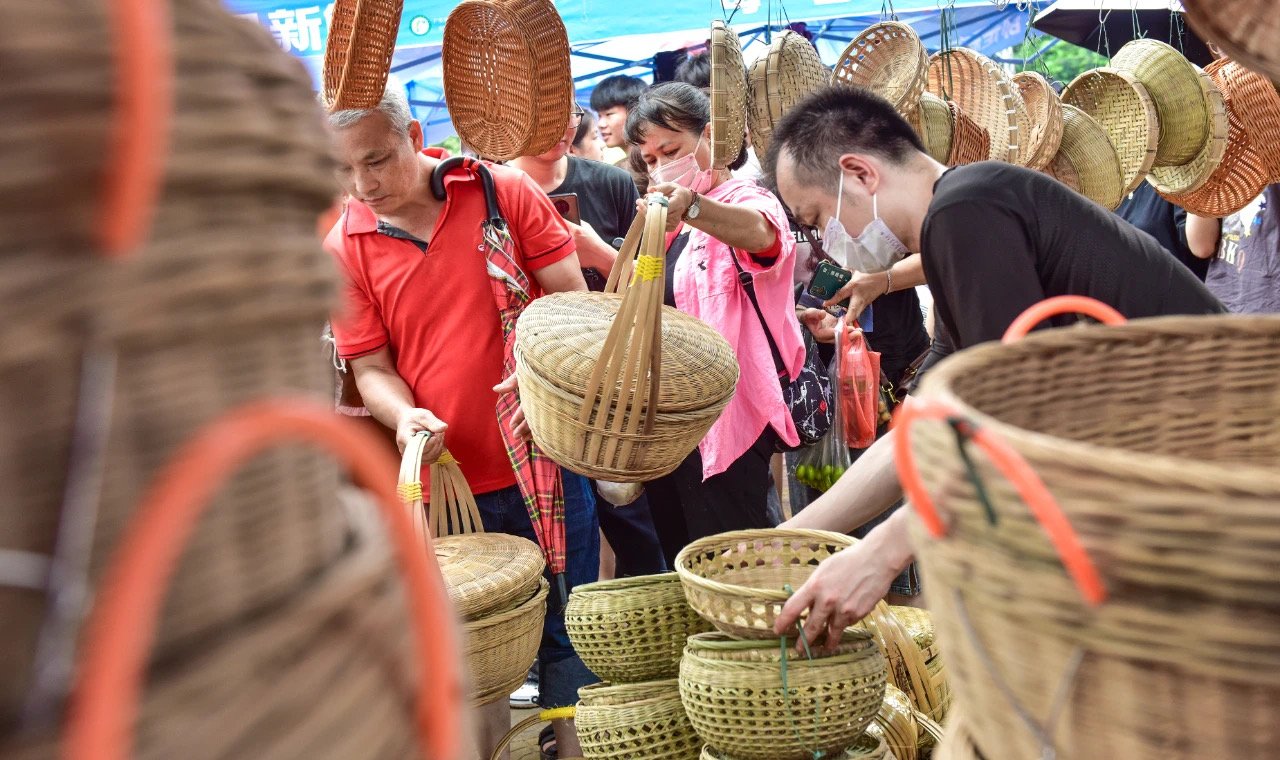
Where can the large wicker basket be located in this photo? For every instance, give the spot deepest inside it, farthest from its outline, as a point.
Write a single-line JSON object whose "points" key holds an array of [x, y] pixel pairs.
{"points": [[1248, 30], [1169, 475], [221, 304], [643, 721], [889, 60], [983, 91], [632, 629], [759, 700]]}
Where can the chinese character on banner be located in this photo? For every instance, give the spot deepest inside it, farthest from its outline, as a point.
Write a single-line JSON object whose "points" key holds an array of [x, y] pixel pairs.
{"points": [[298, 29]]}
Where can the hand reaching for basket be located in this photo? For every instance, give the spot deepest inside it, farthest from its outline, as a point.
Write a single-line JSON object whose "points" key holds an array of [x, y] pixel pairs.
{"points": [[518, 423], [414, 421]]}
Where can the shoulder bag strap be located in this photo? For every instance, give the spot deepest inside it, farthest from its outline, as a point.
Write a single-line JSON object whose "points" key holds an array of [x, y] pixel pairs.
{"points": [[749, 285]]}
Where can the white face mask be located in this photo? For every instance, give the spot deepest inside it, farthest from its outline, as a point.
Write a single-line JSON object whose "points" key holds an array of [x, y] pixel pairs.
{"points": [[875, 250], [684, 171]]}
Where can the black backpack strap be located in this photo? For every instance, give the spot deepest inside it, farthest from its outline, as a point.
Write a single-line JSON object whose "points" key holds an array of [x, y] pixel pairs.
{"points": [[749, 285]]}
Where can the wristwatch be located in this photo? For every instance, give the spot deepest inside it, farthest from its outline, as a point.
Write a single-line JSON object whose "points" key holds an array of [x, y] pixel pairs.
{"points": [[694, 209]]}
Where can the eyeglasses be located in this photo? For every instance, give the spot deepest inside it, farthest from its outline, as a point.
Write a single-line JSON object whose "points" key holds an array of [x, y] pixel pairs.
{"points": [[575, 117]]}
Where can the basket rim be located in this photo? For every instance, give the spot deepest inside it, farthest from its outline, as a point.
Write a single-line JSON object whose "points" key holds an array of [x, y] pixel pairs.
{"points": [[859, 639], [618, 585], [517, 611], [781, 534], [1104, 458], [670, 687]]}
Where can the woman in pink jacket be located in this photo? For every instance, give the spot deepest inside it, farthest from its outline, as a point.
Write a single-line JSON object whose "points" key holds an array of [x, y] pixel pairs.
{"points": [[724, 235]]}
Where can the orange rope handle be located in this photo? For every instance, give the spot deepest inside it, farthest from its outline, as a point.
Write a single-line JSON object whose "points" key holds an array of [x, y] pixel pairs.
{"points": [[139, 131], [123, 621], [1032, 490], [1052, 307]]}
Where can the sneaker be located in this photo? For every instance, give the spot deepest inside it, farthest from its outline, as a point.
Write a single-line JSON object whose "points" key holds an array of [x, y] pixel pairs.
{"points": [[526, 696]]}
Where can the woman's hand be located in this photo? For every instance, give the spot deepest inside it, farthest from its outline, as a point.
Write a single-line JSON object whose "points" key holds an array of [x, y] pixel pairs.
{"points": [[842, 591], [678, 201]]}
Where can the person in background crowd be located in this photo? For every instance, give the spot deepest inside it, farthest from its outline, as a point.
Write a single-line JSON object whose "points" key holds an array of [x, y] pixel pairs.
{"points": [[1245, 273], [638, 169], [587, 142], [993, 238], [418, 324], [612, 100], [720, 226], [1167, 223], [695, 70]]}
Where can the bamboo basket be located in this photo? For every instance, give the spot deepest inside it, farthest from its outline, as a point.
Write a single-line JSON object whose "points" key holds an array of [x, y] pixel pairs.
{"points": [[983, 92], [728, 96], [643, 721], [622, 388], [500, 648], [1194, 175], [1122, 106], [755, 700], [970, 143], [897, 725], [1252, 94], [889, 60], [934, 124], [1247, 30], [219, 304], [1181, 102], [1166, 479], [630, 630], [908, 663], [488, 572], [1039, 140], [779, 80], [1087, 161], [737, 580], [867, 747], [958, 744], [357, 52]]}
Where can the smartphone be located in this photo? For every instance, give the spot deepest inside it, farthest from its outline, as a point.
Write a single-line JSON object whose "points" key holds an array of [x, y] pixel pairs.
{"points": [[567, 206], [826, 282]]}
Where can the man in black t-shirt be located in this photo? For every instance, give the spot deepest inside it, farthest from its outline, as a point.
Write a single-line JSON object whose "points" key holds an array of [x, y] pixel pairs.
{"points": [[994, 240]]}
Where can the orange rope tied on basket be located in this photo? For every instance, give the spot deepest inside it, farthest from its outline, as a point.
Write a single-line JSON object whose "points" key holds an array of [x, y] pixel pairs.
{"points": [[123, 621]]}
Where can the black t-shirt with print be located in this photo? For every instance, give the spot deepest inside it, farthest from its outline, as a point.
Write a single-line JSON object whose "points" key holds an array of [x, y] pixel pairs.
{"points": [[606, 200], [999, 238]]}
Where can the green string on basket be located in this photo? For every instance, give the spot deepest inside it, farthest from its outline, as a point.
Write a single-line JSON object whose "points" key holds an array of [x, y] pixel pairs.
{"points": [[964, 432], [816, 754]]}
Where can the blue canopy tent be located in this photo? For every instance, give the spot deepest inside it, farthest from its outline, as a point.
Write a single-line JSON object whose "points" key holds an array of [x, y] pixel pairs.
{"points": [[617, 38]]}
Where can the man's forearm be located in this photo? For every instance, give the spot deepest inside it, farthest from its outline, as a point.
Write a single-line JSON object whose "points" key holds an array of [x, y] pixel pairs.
{"points": [[868, 488], [385, 394]]}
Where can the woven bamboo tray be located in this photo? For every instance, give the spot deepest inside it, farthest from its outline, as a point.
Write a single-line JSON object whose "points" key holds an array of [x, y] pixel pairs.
{"points": [[1174, 86], [1190, 177], [779, 80], [728, 96], [357, 52], [629, 630], [889, 60], [867, 747], [500, 648], [1241, 176], [1251, 94], [1122, 106], [970, 142], [736, 580], [487, 572], [1039, 141], [983, 92], [1247, 30], [506, 76], [755, 700], [1087, 160], [933, 124], [1169, 477], [643, 721], [220, 304]]}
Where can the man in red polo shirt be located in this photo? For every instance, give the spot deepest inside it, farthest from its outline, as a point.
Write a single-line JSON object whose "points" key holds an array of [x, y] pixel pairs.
{"points": [[421, 331]]}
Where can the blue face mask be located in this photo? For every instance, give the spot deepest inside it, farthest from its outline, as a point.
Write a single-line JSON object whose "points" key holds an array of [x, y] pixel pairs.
{"points": [[875, 250]]}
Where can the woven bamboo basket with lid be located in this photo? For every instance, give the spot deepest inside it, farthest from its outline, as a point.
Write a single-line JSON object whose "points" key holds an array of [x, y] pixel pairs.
{"points": [[728, 96], [889, 60], [983, 92], [1039, 141], [779, 80], [737, 580], [970, 142], [1192, 176], [1120, 103], [488, 572], [867, 747], [1242, 175], [499, 649], [632, 629], [622, 389], [933, 122], [759, 700], [1247, 30], [1087, 161], [643, 721], [1181, 102], [1169, 479], [220, 304], [506, 76], [357, 52]]}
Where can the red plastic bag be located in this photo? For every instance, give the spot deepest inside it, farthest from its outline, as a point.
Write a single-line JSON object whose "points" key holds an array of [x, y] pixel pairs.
{"points": [[859, 386]]}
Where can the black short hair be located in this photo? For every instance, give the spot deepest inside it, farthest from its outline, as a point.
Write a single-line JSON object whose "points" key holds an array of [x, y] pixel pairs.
{"points": [[676, 106], [695, 70], [835, 120], [585, 127], [616, 91]]}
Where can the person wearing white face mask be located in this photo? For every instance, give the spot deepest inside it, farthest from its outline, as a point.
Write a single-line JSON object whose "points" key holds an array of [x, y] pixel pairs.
{"points": [[721, 229], [994, 239]]}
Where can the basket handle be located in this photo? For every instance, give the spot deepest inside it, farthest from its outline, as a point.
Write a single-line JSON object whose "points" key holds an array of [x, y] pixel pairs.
{"points": [[122, 623], [1032, 490], [555, 713], [139, 130], [624, 266], [1056, 306], [453, 509]]}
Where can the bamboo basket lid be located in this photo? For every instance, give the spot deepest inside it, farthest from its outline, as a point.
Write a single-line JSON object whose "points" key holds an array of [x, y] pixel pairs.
{"points": [[1122, 106], [1090, 160], [1043, 135], [889, 60], [1242, 174], [1189, 177], [779, 80], [486, 572], [970, 142], [1174, 85], [1258, 102], [357, 52], [506, 76], [728, 96], [1246, 30], [983, 92], [933, 123]]}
